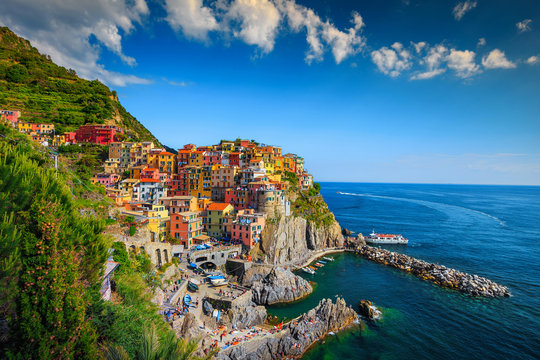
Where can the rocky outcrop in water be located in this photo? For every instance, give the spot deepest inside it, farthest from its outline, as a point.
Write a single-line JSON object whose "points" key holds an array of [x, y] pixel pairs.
{"points": [[297, 336], [368, 310], [275, 285], [438, 274]]}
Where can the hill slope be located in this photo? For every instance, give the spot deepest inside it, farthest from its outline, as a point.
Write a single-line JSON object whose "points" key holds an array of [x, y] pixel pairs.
{"points": [[47, 93]]}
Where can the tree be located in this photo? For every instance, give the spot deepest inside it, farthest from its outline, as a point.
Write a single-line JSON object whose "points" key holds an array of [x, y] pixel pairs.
{"points": [[17, 73]]}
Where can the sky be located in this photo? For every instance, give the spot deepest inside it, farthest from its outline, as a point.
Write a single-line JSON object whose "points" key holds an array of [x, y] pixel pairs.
{"points": [[414, 91]]}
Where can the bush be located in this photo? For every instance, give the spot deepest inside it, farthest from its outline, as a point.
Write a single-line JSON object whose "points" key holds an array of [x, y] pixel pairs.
{"points": [[132, 230]]}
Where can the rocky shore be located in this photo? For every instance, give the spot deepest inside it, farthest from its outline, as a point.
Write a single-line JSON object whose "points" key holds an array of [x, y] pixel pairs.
{"points": [[272, 285], [438, 274], [297, 336]]}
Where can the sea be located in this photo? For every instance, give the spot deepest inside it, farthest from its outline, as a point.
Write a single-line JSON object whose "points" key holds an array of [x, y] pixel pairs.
{"points": [[491, 231]]}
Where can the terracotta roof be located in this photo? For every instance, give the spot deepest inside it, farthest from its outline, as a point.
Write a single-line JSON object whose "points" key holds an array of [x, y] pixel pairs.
{"points": [[165, 153], [149, 180], [150, 169], [218, 206]]}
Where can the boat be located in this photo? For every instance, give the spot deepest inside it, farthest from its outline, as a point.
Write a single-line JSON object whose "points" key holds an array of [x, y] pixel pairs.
{"points": [[218, 280], [187, 300], [193, 285], [322, 262], [308, 270], [375, 238], [319, 265], [328, 258]]}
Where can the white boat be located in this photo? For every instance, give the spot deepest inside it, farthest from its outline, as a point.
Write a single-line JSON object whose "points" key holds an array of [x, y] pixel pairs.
{"points": [[375, 238], [219, 282], [309, 271], [328, 258]]}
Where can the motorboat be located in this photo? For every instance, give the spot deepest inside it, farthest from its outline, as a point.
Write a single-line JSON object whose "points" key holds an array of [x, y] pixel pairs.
{"points": [[328, 258], [308, 270]]}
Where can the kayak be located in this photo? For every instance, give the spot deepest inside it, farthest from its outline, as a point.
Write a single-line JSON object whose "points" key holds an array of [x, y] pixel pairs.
{"points": [[187, 300]]}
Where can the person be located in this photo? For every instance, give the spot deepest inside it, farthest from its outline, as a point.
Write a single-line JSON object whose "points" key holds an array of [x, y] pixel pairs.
{"points": [[221, 337]]}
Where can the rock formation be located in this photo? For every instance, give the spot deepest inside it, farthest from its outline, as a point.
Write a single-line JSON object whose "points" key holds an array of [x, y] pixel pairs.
{"points": [[290, 239], [274, 285], [244, 313], [297, 336], [368, 310], [438, 274]]}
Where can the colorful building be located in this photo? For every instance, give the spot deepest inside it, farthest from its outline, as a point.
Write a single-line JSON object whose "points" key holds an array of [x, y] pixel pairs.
{"points": [[11, 116], [247, 227], [105, 179], [215, 219], [185, 227], [98, 134]]}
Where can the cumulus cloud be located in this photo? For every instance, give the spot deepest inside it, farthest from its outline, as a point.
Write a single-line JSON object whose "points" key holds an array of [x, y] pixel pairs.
{"points": [[419, 46], [524, 25], [63, 29], [433, 61], [191, 17], [533, 60], [462, 8], [481, 42], [496, 59], [258, 22], [392, 61], [462, 62], [322, 34]]}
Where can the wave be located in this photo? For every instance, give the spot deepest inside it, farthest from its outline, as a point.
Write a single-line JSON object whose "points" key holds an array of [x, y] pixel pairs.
{"points": [[429, 204]]}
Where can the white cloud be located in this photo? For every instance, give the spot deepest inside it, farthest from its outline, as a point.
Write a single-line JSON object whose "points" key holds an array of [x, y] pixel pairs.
{"points": [[320, 35], [259, 20], [192, 17], [462, 8], [481, 42], [533, 60], [342, 43], [524, 25], [462, 62], [419, 46], [63, 29], [433, 61], [496, 59], [392, 61]]}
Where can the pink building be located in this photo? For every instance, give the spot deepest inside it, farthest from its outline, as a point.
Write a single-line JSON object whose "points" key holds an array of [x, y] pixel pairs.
{"points": [[106, 179], [11, 116], [247, 227]]}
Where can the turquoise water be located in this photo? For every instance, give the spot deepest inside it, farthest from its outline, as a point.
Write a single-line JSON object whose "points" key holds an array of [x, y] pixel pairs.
{"points": [[492, 231]]}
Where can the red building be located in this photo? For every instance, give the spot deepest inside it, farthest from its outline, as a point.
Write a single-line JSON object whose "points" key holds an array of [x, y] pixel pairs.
{"points": [[211, 158], [238, 197], [98, 134], [69, 137], [179, 184], [10, 116], [150, 173]]}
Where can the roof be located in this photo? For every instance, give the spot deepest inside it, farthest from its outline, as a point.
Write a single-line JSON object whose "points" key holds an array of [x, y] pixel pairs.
{"points": [[150, 169], [149, 180], [165, 153], [218, 206]]}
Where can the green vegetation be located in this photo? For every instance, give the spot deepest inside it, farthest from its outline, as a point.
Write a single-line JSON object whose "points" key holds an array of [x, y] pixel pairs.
{"points": [[51, 263], [47, 93]]}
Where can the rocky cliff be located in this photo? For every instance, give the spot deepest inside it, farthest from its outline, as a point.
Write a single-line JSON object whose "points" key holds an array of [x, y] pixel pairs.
{"points": [[297, 336], [288, 240], [275, 285]]}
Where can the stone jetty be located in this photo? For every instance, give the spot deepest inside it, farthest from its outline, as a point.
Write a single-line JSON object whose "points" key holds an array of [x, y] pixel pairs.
{"points": [[438, 274], [297, 336]]}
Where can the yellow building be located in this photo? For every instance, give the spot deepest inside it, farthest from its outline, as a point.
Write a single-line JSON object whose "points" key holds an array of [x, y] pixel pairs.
{"points": [[196, 158], [25, 127], [216, 214], [58, 140], [135, 171], [158, 220], [166, 162], [227, 146], [278, 164]]}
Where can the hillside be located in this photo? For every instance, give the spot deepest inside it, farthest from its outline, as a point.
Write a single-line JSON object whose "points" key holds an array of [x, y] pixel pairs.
{"points": [[47, 93]]}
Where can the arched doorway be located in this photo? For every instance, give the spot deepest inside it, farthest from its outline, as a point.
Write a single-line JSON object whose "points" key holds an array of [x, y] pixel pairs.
{"points": [[166, 256], [158, 257], [208, 265]]}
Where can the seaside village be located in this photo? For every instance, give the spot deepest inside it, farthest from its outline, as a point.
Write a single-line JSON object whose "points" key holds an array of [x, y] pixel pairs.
{"points": [[201, 206]]}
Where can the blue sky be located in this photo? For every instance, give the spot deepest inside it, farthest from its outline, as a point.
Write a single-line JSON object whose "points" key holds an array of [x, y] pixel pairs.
{"points": [[385, 91]]}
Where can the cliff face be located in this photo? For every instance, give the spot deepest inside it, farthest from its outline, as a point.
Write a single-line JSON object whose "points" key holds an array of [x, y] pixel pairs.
{"points": [[292, 238]]}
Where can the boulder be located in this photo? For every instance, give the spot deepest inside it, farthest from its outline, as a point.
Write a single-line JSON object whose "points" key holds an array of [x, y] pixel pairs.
{"points": [[346, 232], [368, 310]]}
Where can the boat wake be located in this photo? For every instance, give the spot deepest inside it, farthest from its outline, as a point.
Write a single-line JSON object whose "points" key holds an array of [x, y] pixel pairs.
{"points": [[429, 204]]}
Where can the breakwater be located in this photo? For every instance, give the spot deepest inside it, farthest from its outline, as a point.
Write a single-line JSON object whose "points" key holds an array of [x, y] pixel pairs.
{"points": [[438, 274]]}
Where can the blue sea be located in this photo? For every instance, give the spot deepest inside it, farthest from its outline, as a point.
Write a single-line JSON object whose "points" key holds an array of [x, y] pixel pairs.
{"points": [[491, 231]]}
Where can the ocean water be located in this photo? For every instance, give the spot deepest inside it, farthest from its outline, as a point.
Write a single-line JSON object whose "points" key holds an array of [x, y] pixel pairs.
{"points": [[491, 231]]}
